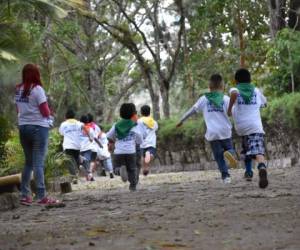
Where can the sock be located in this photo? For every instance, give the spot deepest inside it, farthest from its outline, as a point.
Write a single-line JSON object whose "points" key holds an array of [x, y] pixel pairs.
{"points": [[261, 165], [248, 165]]}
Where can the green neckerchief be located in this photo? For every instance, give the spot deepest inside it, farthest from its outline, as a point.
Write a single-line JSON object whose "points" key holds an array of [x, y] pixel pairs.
{"points": [[246, 90], [123, 127], [216, 98]]}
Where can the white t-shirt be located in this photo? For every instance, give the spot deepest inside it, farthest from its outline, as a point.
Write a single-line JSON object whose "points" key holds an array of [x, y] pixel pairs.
{"points": [[71, 131], [103, 153], [85, 143], [126, 145], [246, 117], [28, 107], [96, 132], [149, 135], [218, 125]]}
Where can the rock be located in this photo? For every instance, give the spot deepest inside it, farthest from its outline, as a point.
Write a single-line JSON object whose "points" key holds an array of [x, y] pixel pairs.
{"points": [[9, 201]]}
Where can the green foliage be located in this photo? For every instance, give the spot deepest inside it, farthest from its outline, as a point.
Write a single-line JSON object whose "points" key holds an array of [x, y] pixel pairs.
{"points": [[283, 60], [55, 163], [283, 113], [4, 135], [191, 133], [14, 156]]}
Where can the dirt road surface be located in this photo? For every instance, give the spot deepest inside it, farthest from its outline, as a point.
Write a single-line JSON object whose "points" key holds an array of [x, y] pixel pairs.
{"points": [[176, 211]]}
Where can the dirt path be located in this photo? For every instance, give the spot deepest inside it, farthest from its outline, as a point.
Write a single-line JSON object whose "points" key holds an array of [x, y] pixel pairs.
{"points": [[169, 212]]}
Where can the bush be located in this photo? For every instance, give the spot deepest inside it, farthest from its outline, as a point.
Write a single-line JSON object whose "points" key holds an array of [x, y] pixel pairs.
{"points": [[191, 133], [5, 130], [283, 113], [54, 164]]}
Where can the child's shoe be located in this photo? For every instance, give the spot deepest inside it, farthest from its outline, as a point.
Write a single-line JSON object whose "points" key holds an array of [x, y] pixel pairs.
{"points": [[90, 177], [145, 171], [227, 180], [230, 159], [132, 188], [27, 201], [263, 176], [48, 201], [124, 174], [111, 175], [248, 176], [103, 173]]}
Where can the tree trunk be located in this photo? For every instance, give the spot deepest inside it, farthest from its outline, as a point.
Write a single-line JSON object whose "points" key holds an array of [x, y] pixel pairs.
{"points": [[96, 93], [153, 95], [240, 30], [277, 16], [294, 22], [164, 90]]}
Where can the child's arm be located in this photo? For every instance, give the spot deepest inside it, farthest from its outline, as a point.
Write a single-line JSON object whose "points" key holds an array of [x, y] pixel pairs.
{"points": [[198, 107], [188, 114], [233, 97], [98, 142]]}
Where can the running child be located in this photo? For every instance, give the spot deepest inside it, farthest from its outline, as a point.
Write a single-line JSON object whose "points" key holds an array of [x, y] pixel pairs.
{"points": [[148, 146], [214, 105], [71, 130], [104, 155], [87, 146], [245, 103], [126, 135]]}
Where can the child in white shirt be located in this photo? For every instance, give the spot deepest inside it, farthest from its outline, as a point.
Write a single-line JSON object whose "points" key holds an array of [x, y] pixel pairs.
{"points": [[126, 135], [148, 146], [245, 103], [214, 106]]}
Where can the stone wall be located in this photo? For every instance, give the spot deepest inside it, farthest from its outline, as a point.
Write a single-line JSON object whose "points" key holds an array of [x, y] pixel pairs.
{"points": [[283, 150]]}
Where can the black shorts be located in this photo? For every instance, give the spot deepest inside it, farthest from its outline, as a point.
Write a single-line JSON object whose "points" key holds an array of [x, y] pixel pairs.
{"points": [[151, 150]]}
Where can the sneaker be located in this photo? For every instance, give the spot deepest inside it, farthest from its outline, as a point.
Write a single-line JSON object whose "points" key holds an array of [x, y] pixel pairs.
{"points": [[230, 159], [103, 173], [111, 175], [227, 180], [48, 201], [147, 157], [132, 188], [123, 173], [263, 177], [27, 201], [90, 177], [145, 172], [248, 176]]}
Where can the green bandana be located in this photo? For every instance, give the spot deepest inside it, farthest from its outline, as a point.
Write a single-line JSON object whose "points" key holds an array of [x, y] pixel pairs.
{"points": [[246, 91], [123, 127], [216, 98]]}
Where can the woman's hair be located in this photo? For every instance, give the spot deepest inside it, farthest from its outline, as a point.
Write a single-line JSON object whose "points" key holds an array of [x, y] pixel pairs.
{"points": [[30, 78]]}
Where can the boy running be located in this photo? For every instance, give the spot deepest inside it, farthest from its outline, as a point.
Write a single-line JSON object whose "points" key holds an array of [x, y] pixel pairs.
{"points": [[87, 146], [214, 106], [148, 147], [71, 130], [245, 103], [126, 136]]}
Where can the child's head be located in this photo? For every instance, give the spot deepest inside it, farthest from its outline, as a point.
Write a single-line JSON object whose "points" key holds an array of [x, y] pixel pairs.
{"points": [[242, 76], [145, 110], [84, 119], [127, 110], [90, 117], [70, 114], [216, 82]]}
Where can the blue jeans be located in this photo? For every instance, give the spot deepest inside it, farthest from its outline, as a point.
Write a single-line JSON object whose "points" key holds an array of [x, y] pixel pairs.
{"points": [[34, 140], [218, 148]]}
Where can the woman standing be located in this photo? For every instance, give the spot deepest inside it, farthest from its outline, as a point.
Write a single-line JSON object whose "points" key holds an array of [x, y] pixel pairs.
{"points": [[34, 123]]}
